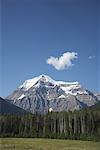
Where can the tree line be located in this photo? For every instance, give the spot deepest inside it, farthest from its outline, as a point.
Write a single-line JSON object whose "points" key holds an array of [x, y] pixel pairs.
{"points": [[83, 124]]}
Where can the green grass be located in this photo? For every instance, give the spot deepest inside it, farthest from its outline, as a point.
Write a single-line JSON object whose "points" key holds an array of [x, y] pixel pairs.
{"points": [[46, 144]]}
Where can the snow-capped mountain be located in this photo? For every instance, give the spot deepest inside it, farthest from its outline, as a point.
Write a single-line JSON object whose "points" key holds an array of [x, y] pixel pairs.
{"points": [[41, 94], [72, 88]]}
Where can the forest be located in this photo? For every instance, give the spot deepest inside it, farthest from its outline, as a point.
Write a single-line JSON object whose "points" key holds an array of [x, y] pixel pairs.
{"points": [[79, 125]]}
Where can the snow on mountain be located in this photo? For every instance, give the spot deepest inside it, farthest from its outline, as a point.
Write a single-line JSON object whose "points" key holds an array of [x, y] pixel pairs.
{"points": [[67, 87], [31, 82], [62, 96], [42, 93], [21, 96]]}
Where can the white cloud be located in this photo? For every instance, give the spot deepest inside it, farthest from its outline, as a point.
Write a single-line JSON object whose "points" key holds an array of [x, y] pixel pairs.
{"points": [[91, 57], [62, 62]]}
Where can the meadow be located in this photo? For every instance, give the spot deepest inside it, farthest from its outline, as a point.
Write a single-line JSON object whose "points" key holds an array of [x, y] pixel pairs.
{"points": [[46, 144]]}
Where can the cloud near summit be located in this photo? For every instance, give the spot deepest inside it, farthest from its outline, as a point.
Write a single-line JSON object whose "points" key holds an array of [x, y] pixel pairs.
{"points": [[62, 62]]}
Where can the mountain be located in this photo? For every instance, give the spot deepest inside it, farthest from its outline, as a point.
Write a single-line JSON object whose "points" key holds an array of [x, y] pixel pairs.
{"points": [[8, 108], [42, 94], [98, 96], [95, 107]]}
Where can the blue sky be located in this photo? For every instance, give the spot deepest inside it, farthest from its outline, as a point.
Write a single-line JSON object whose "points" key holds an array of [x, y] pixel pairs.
{"points": [[34, 30]]}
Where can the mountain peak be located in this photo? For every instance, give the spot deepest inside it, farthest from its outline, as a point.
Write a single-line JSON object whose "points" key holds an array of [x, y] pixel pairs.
{"points": [[42, 92], [46, 81], [31, 82], [46, 78]]}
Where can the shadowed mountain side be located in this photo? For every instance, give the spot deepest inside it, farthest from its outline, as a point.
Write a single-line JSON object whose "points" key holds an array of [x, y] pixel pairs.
{"points": [[8, 108]]}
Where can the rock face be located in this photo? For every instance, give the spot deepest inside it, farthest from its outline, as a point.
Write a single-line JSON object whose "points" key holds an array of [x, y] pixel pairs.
{"points": [[42, 93], [98, 96]]}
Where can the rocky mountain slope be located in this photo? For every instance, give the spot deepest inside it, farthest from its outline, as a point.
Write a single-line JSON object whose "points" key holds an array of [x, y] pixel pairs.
{"points": [[42, 94]]}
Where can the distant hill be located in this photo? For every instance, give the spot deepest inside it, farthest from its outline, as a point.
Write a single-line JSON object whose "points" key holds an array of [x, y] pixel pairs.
{"points": [[8, 108]]}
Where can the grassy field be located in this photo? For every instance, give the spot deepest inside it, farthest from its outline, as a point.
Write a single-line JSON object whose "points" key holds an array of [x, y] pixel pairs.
{"points": [[46, 144]]}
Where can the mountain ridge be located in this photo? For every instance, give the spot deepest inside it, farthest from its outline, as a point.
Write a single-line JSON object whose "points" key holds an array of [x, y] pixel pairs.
{"points": [[42, 93]]}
